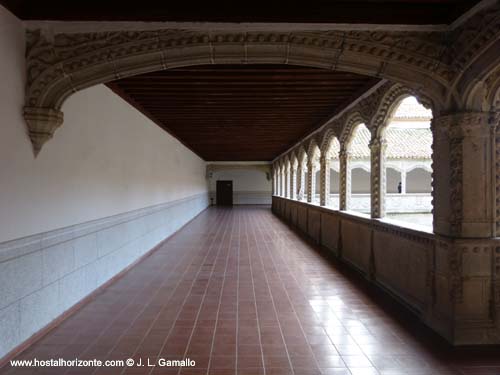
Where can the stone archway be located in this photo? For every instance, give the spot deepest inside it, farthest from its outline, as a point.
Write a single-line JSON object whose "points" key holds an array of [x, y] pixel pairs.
{"points": [[66, 63]]}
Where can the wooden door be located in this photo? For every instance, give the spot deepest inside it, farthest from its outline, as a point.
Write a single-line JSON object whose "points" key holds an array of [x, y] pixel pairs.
{"points": [[224, 193]]}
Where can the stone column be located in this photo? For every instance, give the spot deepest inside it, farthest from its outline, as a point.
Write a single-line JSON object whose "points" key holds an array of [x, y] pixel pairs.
{"points": [[286, 183], [403, 182], [282, 187], [464, 174], [274, 182], [311, 181], [293, 179], [324, 191], [377, 177], [279, 184], [345, 179]]}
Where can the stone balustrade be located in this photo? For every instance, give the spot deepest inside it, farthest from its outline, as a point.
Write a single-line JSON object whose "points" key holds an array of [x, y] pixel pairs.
{"points": [[452, 285]]}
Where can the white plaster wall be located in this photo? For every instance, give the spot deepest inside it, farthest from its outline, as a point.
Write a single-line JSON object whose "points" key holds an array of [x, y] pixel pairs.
{"points": [[109, 187], [250, 186], [419, 181], [106, 159]]}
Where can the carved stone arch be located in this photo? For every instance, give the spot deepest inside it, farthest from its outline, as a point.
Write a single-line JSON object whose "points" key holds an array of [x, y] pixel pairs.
{"points": [[313, 150], [396, 167], [329, 136], [389, 103], [474, 55], [483, 91], [301, 154], [493, 94], [364, 167], [293, 159], [286, 162], [59, 65], [425, 167], [352, 120]]}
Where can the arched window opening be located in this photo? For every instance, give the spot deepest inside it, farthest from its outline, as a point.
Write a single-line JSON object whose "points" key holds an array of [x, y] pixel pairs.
{"points": [[313, 174], [333, 184], [317, 182], [419, 181], [277, 182], [394, 184], [360, 178], [293, 177], [359, 156], [287, 179], [409, 147], [302, 178]]}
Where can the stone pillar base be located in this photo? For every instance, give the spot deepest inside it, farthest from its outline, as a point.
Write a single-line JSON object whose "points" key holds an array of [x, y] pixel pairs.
{"points": [[466, 291]]}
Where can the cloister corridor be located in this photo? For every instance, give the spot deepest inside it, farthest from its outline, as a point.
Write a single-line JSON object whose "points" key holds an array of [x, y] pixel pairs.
{"points": [[250, 188], [239, 292]]}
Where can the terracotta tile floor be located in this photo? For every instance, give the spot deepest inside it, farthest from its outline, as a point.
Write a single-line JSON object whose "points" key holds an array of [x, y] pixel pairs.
{"points": [[240, 293]]}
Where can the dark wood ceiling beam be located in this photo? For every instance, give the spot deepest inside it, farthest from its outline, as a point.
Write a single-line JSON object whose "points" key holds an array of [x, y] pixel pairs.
{"points": [[279, 90], [244, 78], [241, 116], [251, 83], [421, 12]]}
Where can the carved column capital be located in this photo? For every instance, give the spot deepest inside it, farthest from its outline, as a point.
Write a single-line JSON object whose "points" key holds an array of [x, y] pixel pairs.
{"points": [[42, 123], [377, 144], [463, 124]]}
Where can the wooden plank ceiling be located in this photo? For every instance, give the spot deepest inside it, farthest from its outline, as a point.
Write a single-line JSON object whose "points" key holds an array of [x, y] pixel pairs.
{"points": [[421, 12], [243, 112]]}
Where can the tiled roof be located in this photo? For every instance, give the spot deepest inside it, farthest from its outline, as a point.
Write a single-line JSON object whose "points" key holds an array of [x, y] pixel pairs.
{"points": [[402, 143], [411, 108]]}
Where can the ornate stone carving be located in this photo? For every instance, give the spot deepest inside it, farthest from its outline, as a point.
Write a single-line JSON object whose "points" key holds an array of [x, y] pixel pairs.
{"points": [[387, 100], [496, 285], [352, 119], [64, 63], [497, 179], [461, 170], [455, 268], [42, 123], [311, 186], [378, 177], [471, 38], [345, 178]]}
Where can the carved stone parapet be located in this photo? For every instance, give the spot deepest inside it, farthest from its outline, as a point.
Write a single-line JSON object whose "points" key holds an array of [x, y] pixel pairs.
{"points": [[467, 298], [42, 123]]}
